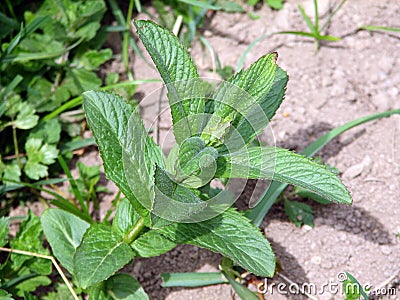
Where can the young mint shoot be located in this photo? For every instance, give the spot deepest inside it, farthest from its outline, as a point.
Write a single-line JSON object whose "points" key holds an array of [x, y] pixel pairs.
{"points": [[170, 200]]}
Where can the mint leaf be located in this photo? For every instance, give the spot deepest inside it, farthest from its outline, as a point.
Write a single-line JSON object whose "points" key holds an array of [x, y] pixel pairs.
{"points": [[4, 227], [230, 234], [64, 232], [299, 213], [101, 253], [152, 243], [177, 70], [125, 217], [173, 202], [39, 155], [109, 117], [284, 166]]}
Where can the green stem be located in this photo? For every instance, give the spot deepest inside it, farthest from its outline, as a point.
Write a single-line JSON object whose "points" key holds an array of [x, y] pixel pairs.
{"points": [[134, 232], [15, 139]]}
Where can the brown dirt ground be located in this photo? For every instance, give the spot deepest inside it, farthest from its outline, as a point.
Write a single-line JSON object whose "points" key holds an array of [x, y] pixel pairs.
{"points": [[356, 76]]}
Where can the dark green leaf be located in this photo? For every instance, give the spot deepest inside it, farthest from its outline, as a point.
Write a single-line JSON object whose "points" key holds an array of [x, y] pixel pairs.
{"points": [[64, 232], [101, 253], [230, 234], [299, 213], [151, 244], [178, 71], [284, 166]]}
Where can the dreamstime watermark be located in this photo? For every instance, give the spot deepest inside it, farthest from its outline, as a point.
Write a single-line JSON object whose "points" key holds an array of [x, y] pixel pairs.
{"points": [[213, 121], [333, 287]]}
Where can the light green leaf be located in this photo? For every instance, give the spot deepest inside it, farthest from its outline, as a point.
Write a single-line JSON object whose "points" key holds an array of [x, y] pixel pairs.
{"points": [[29, 238], [64, 232], [101, 253], [80, 80], [26, 118], [4, 227], [39, 155], [62, 293], [92, 59], [118, 287], [4, 295], [11, 172], [48, 131], [125, 217], [151, 244], [32, 284], [230, 234], [178, 71], [299, 213], [284, 166], [276, 4]]}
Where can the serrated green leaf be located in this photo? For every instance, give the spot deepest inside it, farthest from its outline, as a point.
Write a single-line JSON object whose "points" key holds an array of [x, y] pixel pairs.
{"points": [[244, 105], [26, 118], [299, 213], [39, 155], [108, 116], [173, 202], [118, 287], [80, 80], [62, 293], [64, 232], [180, 75], [101, 253], [4, 227], [125, 217], [11, 172], [284, 166], [230, 234], [151, 244]]}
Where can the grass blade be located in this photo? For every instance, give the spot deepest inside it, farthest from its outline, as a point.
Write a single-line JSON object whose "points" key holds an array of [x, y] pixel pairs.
{"points": [[257, 214], [241, 290], [74, 186], [78, 100], [359, 286], [194, 279], [308, 20], [328, 21], [201, 4], [311, 35], [377, 28], [242, 58]]}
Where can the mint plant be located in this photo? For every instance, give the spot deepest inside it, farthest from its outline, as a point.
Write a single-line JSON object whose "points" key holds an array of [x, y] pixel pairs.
{"points": [[170, 200]]}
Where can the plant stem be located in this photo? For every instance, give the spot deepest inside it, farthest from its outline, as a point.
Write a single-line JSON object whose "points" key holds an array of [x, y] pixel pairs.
{"points": [[134, 232], [15, 139], [316, 16]]}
